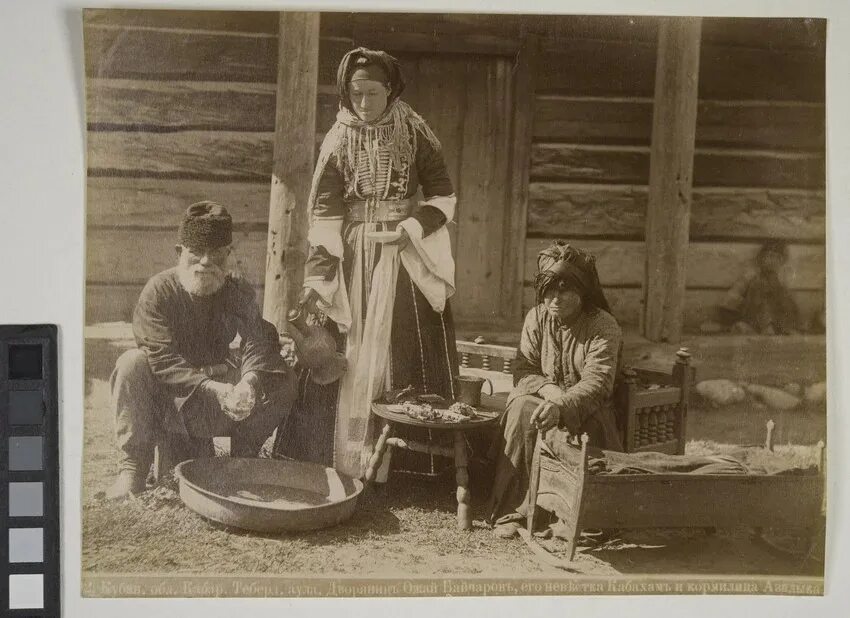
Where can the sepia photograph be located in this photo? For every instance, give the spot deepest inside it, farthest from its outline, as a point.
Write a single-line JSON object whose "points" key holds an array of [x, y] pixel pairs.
{"points": [[453, 304]]}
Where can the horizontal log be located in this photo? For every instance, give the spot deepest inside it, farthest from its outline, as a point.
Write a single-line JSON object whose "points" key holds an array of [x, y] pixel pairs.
{"points": [[435, 42], [224, 21], [699, 305], [166, 54], [597, 67], [755, 124], [712, 167], [115, 302], [350, 24], [124, 104], [161, 54], [709, 265], [727, 72], [627, 68], [574, 210], [147, 202], [771, 33], [214, 155], [131, 257]]}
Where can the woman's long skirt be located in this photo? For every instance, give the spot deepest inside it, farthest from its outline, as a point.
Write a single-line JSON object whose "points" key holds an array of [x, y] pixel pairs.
{"points": [[423, 355]]}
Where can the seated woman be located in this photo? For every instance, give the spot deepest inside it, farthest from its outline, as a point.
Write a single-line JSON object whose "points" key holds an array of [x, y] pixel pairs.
{"points": [[564, 380]]}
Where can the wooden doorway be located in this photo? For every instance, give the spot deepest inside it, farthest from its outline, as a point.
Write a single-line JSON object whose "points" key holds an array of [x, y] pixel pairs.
{"points": [[468, 101]]}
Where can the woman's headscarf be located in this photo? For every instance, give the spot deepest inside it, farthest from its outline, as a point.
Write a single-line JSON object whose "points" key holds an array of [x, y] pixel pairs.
{"points": [[397, 131], [562, 262], [377, 65]]}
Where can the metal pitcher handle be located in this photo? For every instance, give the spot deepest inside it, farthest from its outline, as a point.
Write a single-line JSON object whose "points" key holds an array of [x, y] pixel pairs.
{"points": [[491, 386]]}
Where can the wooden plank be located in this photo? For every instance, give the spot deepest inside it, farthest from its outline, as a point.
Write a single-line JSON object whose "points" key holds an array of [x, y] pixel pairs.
{"points": [[612, 68], [628, 120], [154, 53], [520, 158], [484, 190], [710, 265], [224, 21], [121, 104], [444, 110], [712, 166], [114, 303], [580, 119], [575, 210], [627, 68], [761, 124], [671, 168], [590, 163], [327, 106], [771, 33], [132, 256], [161, 54], [203, 155], [147, 202], [556, 28], [435, 43], [627, 303], [349, 24], [749, 73], [292, 170], [111, 303]]}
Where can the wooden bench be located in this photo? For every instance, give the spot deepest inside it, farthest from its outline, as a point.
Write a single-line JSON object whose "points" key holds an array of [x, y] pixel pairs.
{"points": [[652, 405]]}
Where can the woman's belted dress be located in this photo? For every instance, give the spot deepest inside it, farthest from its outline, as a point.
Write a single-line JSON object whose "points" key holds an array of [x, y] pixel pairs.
{"points": [[388, 308]]}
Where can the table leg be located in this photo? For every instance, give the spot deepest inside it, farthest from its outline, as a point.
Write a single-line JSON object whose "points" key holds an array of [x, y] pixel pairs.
{"points": [[464, 510], [377, 454]]}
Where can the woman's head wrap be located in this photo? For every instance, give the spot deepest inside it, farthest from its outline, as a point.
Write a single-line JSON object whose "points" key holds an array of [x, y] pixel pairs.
{"points": [[362, 63], [205, 225], [563, 263]]}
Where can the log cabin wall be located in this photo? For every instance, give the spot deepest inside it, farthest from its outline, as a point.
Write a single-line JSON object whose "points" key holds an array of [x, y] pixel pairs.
{"points": [[758, 168], [181, 108]]}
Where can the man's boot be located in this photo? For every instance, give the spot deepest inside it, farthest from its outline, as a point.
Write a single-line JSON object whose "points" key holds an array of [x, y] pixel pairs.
{"points": [[128, 483]]}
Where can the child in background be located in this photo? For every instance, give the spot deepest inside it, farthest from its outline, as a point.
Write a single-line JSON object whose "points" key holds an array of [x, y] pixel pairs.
{"points": [[759, 302]]}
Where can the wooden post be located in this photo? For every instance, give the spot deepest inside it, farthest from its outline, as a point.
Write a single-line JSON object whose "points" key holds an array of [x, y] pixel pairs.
{"points": [[292, 170], [670, 177], [513, 265]]}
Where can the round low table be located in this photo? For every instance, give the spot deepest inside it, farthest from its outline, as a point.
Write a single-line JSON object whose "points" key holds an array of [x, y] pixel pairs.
{"points": [[489, 412]]}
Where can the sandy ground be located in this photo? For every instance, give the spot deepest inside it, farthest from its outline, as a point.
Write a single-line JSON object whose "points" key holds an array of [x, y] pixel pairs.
{"points": [[408, 528]]}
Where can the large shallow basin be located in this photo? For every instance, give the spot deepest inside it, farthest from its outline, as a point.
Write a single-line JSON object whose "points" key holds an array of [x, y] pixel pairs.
{"points": [[267, 495]]}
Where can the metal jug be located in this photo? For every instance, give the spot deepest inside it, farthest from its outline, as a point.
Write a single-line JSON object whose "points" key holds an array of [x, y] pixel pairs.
{"points": [[316, 349]]}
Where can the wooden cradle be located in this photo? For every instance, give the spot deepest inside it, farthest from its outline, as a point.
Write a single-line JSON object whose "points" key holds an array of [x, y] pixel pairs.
{"points": [[584, 500]]}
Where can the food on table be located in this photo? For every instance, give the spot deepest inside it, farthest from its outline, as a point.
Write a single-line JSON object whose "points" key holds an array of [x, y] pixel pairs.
{"points": [[463, 409], [420, 411]]}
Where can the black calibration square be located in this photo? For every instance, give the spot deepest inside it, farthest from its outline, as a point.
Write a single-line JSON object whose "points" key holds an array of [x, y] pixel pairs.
{"points": [[24, 362]]}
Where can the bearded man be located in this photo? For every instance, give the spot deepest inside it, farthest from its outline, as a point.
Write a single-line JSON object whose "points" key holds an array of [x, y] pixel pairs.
{"points": [[181, 386]]}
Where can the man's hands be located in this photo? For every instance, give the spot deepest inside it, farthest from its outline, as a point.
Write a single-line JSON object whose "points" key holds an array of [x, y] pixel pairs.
{"points": [[238, 401]]}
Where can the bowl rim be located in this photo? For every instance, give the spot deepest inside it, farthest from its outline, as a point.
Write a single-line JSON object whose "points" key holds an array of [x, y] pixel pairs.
{"points": [[178, 472]]}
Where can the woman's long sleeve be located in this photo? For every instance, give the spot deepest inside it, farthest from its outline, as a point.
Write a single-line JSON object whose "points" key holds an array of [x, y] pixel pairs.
{"points": [[439, 205], [529, 376], [325, 234], [598, 374]]}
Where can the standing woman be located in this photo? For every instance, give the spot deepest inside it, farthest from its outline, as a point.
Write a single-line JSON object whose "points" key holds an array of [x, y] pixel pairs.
{"points": [[380, 271]]}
